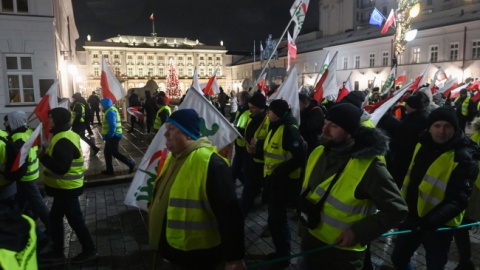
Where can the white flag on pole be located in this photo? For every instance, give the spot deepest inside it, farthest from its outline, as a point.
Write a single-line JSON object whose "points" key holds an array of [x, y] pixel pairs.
{"points": [[288, 91], [213, 125]]}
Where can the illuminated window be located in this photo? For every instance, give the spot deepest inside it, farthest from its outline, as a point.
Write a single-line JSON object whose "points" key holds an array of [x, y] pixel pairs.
{"points": [[372, 60], [20, 79], [434, 53], [453, 51]]}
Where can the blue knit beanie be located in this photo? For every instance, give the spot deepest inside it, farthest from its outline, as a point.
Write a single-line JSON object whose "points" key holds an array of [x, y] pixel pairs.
{"points": [[188, 121]]}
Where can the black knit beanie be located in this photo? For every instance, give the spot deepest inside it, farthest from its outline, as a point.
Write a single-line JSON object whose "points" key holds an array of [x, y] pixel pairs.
{"points": [[60, 116], [279, 107], [443, 114], [345, 115], [355, 97], [415, 102], [188, 121], [258, 100]]}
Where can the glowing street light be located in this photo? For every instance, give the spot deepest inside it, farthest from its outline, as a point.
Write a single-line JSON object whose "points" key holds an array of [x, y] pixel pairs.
{"points": [[406, 11]]}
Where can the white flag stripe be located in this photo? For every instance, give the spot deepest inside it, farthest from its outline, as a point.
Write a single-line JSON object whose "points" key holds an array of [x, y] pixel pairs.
{"points": [[195, 82], [114, 86], [330, 86], [140, 190], [380, 111], [288, 91]]}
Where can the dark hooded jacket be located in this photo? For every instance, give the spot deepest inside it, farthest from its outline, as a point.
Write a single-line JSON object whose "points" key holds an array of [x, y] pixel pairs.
{"points": [[279, 187], [14, 229], [63, 154], [376, 185], [459, 186], [110, 118], [406, 137], [311, 125]]}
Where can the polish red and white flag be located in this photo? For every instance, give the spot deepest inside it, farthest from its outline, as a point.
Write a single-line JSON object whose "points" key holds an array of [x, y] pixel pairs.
{"points": [[389, 22], [33, 140], [327, 85], [48, 102], [401, 78], [111, 87]]}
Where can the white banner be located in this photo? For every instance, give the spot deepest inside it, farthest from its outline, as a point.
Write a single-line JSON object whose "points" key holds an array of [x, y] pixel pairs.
{"points": [[212, 122]]}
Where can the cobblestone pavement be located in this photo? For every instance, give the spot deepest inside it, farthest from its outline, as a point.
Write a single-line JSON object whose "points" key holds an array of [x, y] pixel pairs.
{"points": [[120, 231]]}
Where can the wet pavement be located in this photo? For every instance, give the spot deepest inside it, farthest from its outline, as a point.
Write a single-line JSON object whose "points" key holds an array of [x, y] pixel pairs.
{"points": [[120, 231]]}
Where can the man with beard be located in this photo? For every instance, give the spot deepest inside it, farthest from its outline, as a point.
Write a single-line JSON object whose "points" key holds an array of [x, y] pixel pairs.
{"points": [[348, 194]]}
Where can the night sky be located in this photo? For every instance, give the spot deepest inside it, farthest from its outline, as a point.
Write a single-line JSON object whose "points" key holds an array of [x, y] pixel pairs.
{"points": [[237, 22]]}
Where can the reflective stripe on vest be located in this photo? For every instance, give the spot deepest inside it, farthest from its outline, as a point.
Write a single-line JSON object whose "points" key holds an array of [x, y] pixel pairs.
{"points": [[431, 190], [33, 172], [191, 223], [341, 208], [275, 154], [74, 177], [74, 113], [241, 123], [25, 259], [158, 120], [105, 124]]}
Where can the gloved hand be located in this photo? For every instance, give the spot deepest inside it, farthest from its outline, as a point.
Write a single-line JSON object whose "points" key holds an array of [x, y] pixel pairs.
{"points": [[423, 226]]}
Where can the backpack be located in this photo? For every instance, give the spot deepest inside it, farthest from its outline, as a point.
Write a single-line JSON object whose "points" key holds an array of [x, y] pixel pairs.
{"points": [[12, 150]]}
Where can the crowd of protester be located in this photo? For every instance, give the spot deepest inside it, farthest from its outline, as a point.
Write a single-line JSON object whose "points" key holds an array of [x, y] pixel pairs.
{"points": [[349, 179]]}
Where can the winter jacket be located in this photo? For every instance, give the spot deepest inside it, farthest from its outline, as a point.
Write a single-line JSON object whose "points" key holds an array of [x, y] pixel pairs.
{"points": [[60, 161], [459, 186], [279, 186], [111, 118], [405, 139], [376, 185], [223, 202], [311, 125]]}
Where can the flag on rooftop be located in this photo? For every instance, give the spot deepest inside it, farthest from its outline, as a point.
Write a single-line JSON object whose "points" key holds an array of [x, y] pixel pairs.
{"points": [[389, 22], [376, 18]]}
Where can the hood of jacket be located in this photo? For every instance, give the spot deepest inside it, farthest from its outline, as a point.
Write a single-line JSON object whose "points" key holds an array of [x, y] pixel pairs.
{"points": [[106, 103], [287, 119], [369, 142], [17, 119], [462, 144]]}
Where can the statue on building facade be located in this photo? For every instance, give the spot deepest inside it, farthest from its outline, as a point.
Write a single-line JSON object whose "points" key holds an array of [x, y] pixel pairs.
{"points": [[270, 49]]}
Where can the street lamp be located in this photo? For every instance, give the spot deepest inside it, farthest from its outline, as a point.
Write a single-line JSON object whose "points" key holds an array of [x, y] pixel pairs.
{"points": [[406, 11]]}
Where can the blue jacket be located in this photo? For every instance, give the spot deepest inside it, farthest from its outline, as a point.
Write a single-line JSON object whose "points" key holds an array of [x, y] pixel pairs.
{"points": [[110, 118]]}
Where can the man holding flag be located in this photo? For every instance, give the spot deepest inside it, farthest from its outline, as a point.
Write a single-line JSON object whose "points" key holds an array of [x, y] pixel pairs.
{"points": [[28, 195], [194, 217], [63, 176]]}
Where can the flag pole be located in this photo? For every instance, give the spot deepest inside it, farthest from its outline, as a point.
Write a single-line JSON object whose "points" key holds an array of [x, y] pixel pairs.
{"points": [[153, 25], [276, 46]]}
